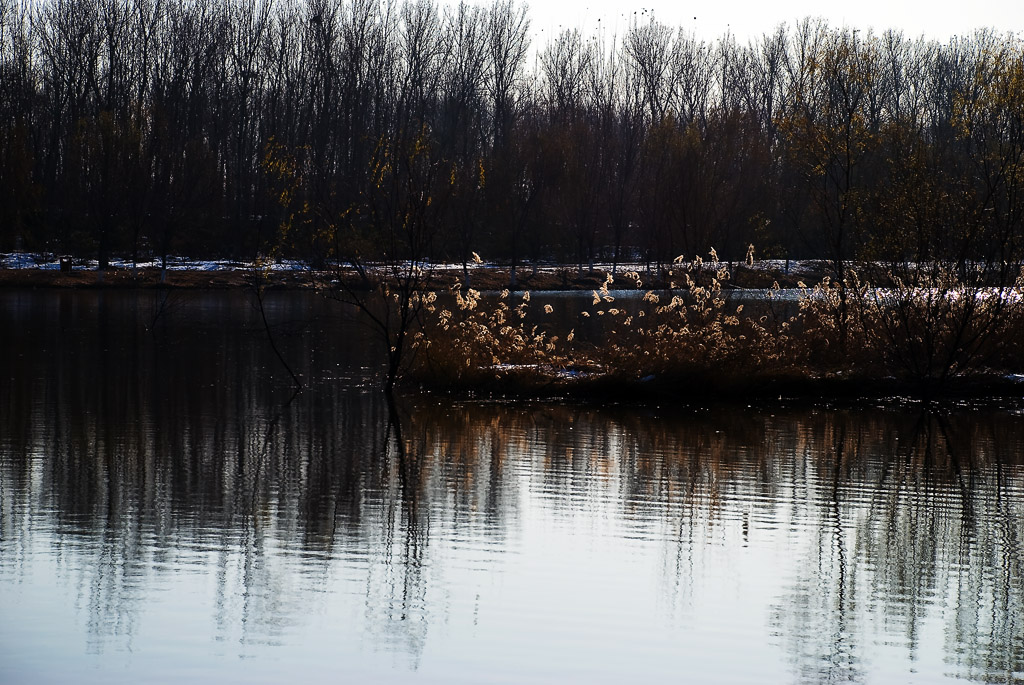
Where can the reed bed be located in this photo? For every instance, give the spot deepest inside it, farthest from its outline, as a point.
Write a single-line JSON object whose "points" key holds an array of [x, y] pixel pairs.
{"points": [[936, 331]]}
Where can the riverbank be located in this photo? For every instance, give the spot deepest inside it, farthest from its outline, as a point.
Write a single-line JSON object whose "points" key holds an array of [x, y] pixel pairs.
{"points": [[695, 344], [213, 275], [641, 350]]}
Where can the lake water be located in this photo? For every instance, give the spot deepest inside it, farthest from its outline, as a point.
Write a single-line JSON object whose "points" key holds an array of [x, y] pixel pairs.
{"points": [[169, 513]]}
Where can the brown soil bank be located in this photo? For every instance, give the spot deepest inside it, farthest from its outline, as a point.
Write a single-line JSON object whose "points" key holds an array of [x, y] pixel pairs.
{"points": [[481, 278]]}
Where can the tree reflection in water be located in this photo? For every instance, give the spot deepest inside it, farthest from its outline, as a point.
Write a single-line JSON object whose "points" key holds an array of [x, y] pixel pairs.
{"points": [[919, 523], [136, 463]]}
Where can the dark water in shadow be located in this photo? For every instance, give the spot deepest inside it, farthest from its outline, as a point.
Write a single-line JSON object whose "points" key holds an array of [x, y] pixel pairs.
{"points": [[168, 512]]}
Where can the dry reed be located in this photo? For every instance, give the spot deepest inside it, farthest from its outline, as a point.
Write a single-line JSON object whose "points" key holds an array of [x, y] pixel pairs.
{"points": [[692, 337]]}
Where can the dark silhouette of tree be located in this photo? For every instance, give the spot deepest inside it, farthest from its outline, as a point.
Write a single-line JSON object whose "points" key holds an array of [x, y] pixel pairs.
{"points": [[137, 128]]}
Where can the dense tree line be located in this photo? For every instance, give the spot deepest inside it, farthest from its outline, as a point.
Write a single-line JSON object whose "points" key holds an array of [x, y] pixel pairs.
{"points": [[222, 127]]}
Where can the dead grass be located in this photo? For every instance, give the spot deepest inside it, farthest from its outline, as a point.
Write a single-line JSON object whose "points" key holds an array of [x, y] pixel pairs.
{"points": [[686, 332], [685, 337]]}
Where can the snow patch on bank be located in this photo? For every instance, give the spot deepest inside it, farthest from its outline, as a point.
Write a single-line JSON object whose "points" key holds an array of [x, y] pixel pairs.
{"points": [[28, 260], [36, 260]]}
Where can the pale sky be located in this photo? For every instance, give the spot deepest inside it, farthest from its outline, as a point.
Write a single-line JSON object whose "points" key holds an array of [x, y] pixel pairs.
{"points": [[748, 19]]}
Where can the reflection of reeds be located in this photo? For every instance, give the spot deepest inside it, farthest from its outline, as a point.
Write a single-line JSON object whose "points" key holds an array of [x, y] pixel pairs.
{"points": [[923, 332]]}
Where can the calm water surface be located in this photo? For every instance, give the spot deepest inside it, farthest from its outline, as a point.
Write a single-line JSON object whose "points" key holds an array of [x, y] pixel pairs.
{"points": [[168, 513]]}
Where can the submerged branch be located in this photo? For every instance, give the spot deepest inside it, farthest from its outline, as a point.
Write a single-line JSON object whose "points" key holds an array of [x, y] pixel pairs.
{"points": [[258, 290]]}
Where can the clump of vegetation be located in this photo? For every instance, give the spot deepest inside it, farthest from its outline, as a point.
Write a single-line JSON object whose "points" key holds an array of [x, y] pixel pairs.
{"points": [[692, 331], [469, 343], [925, 326], [917, 333], [686, 332]]}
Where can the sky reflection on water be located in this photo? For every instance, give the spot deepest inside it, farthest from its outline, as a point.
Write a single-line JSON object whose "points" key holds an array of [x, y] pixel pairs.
{"points": [[167, 513]]}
